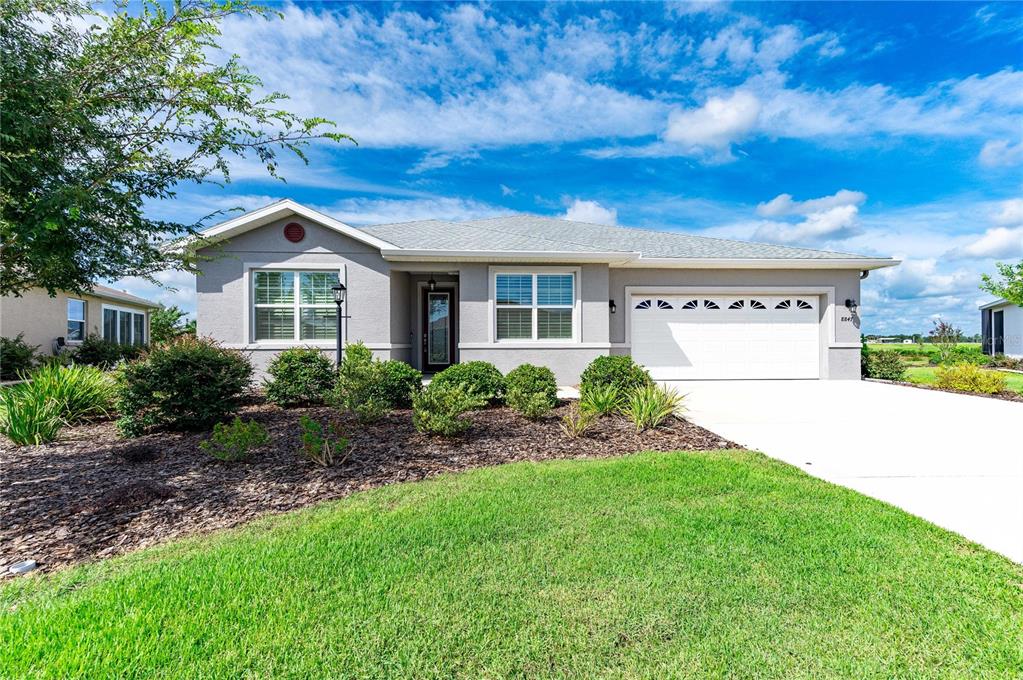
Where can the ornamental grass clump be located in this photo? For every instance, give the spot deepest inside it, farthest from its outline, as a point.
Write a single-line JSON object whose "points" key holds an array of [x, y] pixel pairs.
{"points": [[235, 441], [52, 396], [577, 421], [323, 446], [28, 416], [968, 377], [300, 375], [601, 399], [439, 409], [647, 407]]}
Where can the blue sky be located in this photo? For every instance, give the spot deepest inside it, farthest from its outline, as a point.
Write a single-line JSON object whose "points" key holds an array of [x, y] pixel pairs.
{"points": [[881, 129]]}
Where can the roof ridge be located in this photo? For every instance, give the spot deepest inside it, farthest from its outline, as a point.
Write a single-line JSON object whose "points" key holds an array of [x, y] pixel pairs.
{"points": [[660, 232], [476, 224]]}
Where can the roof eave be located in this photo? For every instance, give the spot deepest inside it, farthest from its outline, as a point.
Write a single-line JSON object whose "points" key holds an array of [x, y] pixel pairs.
{"points": [[994, 303], [855, 263], [525, 256]]}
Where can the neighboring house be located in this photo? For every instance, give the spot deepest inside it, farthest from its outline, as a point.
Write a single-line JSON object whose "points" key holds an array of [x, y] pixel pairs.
{"points": [[1001, 328], [533, 289], [109, 313]]}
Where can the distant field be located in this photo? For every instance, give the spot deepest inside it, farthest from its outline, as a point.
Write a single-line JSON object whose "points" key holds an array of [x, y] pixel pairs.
{"points": [[925, 375], [917, 354]]}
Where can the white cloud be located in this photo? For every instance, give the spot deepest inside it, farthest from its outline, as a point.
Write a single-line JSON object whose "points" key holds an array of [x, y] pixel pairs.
{"points": [[1001, 152], [364, 211], [782, 204], [715, 125], [833, 224], [921, 278], [1009, 212], [999, 242], [592, 212], [507, 190], [173, 288]]}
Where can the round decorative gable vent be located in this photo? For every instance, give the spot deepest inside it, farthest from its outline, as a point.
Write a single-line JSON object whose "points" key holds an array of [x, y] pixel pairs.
{"points": [[294, 232]]}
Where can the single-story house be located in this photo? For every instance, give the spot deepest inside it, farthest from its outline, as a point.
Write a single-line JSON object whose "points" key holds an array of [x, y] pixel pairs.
{"points": [[1001, 328], [532, 289], [113, 314]]}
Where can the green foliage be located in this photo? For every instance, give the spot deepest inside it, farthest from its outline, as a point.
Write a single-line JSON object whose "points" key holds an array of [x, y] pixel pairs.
{"points": [[864, 360], [186, 384], [1008, 285], [969, 378], [16, 356], [1002, 361], [601, 399], [29, 416], [962, 354], [620, 371], [98, 123], [323, 447], [481, 377], [359, 388], [439, 408], [577, 420], [531, 405], [300, 375], [235, 441], [95, 351], [885, 364], [166, 324], [946, 338], [528, 379], [34, 412], [399, 382], [648, 406]]}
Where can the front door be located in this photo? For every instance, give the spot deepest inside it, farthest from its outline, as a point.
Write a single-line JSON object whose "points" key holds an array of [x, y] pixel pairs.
{"points": [[438, 330]]}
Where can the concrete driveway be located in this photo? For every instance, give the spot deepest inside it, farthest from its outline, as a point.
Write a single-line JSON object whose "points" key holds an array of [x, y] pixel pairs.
{"points": [[953, 459]]}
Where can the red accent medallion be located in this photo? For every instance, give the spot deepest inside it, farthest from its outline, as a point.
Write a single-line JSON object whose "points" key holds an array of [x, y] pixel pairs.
{"points": [[294, 232]]}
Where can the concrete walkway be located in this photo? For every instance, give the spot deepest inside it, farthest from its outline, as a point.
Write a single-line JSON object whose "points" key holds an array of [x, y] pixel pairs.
{"points": [[953, 459]]}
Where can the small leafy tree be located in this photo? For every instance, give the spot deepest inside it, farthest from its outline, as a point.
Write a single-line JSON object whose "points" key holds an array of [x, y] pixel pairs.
{"points": [[166, 324], [97, 122], [1009, 285], [947, 337]]}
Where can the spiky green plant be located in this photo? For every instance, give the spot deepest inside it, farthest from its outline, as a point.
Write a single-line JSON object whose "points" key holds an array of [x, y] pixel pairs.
{"points": [[86, 392], [647, 407], [577, 421], [29, 416], [601, 399]]}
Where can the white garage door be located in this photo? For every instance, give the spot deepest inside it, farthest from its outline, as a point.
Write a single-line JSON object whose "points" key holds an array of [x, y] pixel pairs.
{"points": [[717, 337]]}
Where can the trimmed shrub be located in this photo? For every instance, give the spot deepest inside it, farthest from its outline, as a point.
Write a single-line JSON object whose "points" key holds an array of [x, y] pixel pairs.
{"points": [[95, 351], [439, 408], [399, 382], [531, 405], [620, 371], [323, 447], [235, 441], [969, 378], [530, 379], [601, 399], [885, 364], [965, 355], [16, 357], [647, 407], [187, 383], [577, 421], [481, 377], [300, 375], [864, 361], [359, 384]]}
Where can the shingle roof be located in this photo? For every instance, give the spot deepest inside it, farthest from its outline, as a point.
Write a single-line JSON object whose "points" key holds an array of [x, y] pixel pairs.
{"points": [[536, 233], [114, 294]]}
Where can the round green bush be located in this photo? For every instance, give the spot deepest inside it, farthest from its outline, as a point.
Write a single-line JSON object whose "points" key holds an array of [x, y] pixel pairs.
{"points": [[965, 355], [188, 383], [530, 379], [620, 371], [300, 375], [16, 357], [399, 382], [885, 364], [481, 377]]}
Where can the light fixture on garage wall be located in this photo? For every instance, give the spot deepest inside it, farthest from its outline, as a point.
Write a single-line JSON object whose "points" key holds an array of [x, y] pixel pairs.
{"points": [[851, 305], [612, 306], [431, 283]]}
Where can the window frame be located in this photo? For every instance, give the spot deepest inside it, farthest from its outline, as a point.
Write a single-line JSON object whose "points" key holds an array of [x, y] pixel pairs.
{"points": [[296, 305], [84, 320], [534, 273], [117, 325]]}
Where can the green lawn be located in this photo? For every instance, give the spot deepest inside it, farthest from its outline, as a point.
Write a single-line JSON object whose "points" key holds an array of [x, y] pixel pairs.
{"points": [[918, 354], [653, 565], [926, 375]]}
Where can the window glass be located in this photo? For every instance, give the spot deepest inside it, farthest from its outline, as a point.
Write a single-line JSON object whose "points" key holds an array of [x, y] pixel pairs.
{"points": [[124, 327], [110, 325], [554, 289], [554, 324], [514, 289], [315, 288], [275, 323], [319, 323], [275, 288], [75, 320], [514, 324], [139, 337]]}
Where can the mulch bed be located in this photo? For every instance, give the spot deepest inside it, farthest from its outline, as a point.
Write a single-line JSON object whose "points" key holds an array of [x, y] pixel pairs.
{"points": [[92, 495], [1004, 395]]}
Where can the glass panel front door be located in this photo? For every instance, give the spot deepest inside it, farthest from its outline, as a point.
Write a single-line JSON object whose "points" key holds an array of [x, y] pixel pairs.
{"points": [[438, 329]]}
